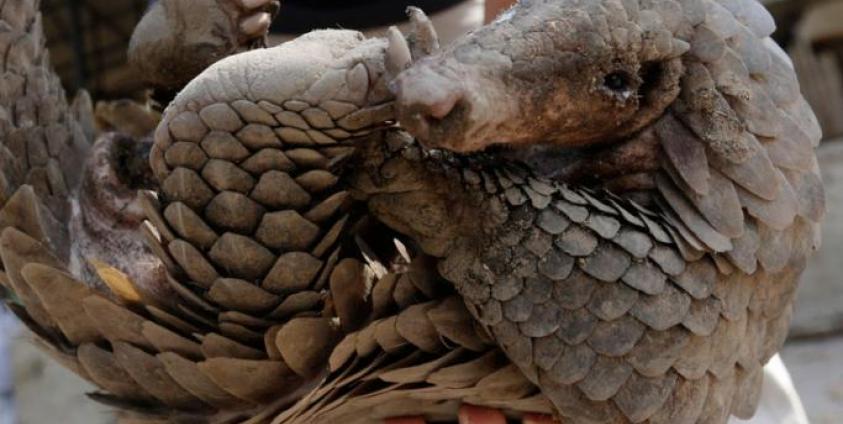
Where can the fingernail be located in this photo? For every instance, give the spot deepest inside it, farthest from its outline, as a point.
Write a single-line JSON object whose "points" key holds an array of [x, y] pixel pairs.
{"points": [[256, 24], [470, 414], [539, 419], [253, 4], [405, 420]]}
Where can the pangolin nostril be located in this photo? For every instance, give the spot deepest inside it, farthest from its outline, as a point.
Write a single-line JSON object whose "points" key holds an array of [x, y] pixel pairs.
{"points": [[419, 125], [426, 97], [422, 116], [441, 107], [432, 107]]}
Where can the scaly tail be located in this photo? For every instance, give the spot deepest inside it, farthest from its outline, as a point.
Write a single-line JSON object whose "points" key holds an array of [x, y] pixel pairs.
{"points": [[43, 144]]}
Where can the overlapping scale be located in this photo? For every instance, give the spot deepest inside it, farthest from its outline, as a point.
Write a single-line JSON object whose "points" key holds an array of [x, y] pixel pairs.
{"points": [[616, 312], [597, 303]]}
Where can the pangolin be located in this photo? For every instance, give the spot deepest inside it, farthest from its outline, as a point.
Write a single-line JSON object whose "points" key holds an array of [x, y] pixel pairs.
{"points": [[603, 216]]}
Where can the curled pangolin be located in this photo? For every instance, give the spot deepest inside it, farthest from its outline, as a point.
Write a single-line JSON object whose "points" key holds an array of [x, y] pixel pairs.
{"points": [[604, 216]]}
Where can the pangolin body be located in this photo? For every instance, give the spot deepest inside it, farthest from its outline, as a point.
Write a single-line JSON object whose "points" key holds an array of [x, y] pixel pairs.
{"points": [[617, 311], [633, 260]]}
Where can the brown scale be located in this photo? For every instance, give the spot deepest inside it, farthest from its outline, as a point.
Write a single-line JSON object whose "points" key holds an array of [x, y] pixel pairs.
{"points": [[460, 279]]}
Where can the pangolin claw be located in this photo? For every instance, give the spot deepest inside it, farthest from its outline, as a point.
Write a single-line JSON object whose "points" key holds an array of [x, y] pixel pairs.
{"points": [[398, 56], [423, 38]]}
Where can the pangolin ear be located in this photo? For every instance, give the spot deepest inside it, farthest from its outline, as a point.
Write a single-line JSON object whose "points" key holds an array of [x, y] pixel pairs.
{"points": [[660, 86]]}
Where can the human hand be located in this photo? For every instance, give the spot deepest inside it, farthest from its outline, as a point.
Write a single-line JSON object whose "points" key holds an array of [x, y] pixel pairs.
{"points": [[254, 17], [495, 7]]}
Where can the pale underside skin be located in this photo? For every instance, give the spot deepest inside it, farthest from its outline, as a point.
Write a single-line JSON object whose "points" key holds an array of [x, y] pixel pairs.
{"points": [[319, 267]]}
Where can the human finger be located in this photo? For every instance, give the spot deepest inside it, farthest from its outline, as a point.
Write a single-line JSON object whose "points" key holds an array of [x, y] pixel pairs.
{"points": [[470, 414]]}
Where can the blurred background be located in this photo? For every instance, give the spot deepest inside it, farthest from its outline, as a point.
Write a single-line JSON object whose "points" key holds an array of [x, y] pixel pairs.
{"points": [[88, 39]]}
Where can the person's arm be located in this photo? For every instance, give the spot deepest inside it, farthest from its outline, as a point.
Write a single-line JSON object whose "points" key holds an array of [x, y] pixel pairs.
{"points": [[495, 7]]}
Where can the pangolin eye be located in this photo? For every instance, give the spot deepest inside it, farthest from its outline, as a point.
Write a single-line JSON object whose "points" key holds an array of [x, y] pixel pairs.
{"points": [[617, 81]]}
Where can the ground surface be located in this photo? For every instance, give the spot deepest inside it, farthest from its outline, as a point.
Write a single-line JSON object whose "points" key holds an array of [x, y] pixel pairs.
{"points": [[47, 393], [819, 308], [817, 370]]}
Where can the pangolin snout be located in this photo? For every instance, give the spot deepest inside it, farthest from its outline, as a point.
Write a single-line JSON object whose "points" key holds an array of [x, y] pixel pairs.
{"points": [[426, 99]]}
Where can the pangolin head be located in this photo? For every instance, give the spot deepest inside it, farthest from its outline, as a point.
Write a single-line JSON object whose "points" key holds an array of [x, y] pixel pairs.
{"points": [[569, 73]]}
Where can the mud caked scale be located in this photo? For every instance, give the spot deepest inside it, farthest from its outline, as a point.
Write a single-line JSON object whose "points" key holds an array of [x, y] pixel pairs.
{"points": [[597, 210]]}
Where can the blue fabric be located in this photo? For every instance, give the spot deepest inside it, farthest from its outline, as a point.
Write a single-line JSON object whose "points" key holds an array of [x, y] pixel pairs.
{"points": [[8, 330]]}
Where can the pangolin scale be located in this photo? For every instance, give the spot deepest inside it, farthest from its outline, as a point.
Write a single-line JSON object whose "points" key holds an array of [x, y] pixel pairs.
{"points": [[630, 255]]}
